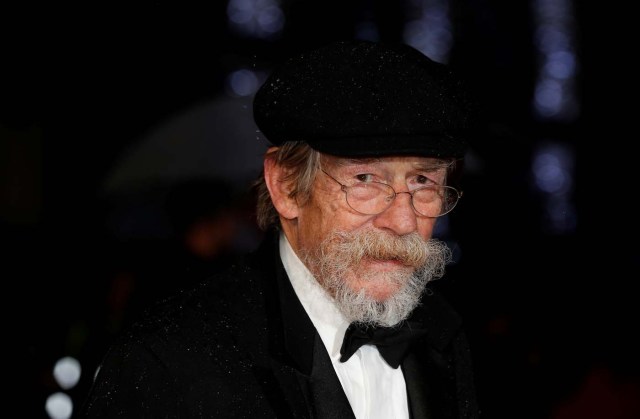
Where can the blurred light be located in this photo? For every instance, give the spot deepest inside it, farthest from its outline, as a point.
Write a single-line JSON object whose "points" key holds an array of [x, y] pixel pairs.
{"points": [[560, 65], [555, 91], [67, 372], [429, 31], [553, 175], [256, 18], [59, 406], [552, 167], [549, 38], [242, 83], [548, 97]]}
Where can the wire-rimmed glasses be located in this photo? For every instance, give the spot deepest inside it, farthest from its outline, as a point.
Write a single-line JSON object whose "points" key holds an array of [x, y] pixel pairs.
{"points": [[373, 198]]}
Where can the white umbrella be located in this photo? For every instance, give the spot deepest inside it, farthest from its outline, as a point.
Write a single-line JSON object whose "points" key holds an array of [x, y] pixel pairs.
{"points": [[217, 139]]}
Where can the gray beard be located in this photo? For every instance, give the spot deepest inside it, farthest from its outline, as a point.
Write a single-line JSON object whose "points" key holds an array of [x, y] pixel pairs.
{"points": [[338, 257]]}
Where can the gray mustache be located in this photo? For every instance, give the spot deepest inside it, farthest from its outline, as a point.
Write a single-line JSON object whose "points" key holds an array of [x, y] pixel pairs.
{"points": [[410, 250]]}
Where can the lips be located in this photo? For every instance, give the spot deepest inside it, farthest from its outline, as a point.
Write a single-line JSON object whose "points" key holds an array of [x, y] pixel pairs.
{"points": [[393, 263]]}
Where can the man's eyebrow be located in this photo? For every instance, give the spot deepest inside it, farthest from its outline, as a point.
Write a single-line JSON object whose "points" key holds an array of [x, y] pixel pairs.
{"points": [[355, 161], [432, 166]]}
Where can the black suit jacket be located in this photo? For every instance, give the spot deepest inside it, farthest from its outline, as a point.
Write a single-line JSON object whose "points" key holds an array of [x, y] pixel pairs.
{"points": [[242, 346]]}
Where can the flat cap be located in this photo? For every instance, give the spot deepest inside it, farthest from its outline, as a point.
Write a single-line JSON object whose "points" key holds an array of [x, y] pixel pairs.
{"points": [[362, 99]]}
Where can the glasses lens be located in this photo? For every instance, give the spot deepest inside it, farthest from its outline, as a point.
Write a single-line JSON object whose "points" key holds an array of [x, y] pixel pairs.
{"points": [[374, 198], [435, 201], [370, 198]]}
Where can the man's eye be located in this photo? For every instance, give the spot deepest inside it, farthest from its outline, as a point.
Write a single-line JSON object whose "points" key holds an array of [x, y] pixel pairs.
{"points": [[364, 177], [423, 180]]}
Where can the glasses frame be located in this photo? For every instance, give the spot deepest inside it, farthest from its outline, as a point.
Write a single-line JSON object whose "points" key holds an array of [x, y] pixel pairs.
{"points": [[344, 188]]}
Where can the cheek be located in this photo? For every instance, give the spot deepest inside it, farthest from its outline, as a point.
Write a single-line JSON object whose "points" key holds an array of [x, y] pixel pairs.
{"points": [[319, 218], [426, 227], [314, 221]]}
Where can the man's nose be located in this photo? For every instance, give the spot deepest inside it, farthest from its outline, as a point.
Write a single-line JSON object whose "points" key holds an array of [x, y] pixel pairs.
{"points": [[400, 217]]}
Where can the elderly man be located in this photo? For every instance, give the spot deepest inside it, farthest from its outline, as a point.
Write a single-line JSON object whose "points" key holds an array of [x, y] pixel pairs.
{"points": [[331, 317]]}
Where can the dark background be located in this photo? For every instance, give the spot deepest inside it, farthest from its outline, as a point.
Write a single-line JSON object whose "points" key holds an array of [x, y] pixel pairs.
{"points": [[552, 317]]}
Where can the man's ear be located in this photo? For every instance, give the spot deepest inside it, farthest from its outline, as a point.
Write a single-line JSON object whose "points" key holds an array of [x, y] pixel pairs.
{"points": [[280, 189]]}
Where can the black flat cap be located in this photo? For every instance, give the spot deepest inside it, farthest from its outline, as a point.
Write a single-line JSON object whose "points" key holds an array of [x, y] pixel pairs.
{"points": [[361, 98]]}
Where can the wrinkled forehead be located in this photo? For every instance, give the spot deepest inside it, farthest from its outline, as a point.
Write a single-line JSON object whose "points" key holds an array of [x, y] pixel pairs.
{"points": [[429, 164]]}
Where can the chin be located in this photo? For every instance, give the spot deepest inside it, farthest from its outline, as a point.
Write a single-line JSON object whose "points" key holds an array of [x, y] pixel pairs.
{"points": [[381, 295], [379, 286]]}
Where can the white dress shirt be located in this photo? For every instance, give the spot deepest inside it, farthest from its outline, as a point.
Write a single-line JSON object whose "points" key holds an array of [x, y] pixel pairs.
{"points": [[374, 389]]}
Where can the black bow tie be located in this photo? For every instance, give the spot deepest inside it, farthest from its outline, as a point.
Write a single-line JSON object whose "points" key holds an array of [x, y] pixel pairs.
{"points": [[392, 342]]}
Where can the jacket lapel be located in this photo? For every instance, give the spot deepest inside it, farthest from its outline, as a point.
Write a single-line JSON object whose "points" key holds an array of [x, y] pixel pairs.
{"points": [[417, 388], [299, 362], [329, 399], [435, 371]]}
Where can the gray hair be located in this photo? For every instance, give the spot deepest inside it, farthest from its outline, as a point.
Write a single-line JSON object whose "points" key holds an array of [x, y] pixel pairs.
{"points": [[301, 164]]}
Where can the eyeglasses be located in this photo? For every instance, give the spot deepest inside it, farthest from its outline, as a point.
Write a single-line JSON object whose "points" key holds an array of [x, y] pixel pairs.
{"points": [[373, 198]]}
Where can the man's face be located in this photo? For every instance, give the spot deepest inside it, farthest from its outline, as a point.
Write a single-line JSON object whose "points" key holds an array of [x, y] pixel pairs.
{"points": [[374, 256]]}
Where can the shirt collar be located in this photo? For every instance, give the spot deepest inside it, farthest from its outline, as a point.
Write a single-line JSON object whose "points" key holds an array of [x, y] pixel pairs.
{"points": [[319, 305]]}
